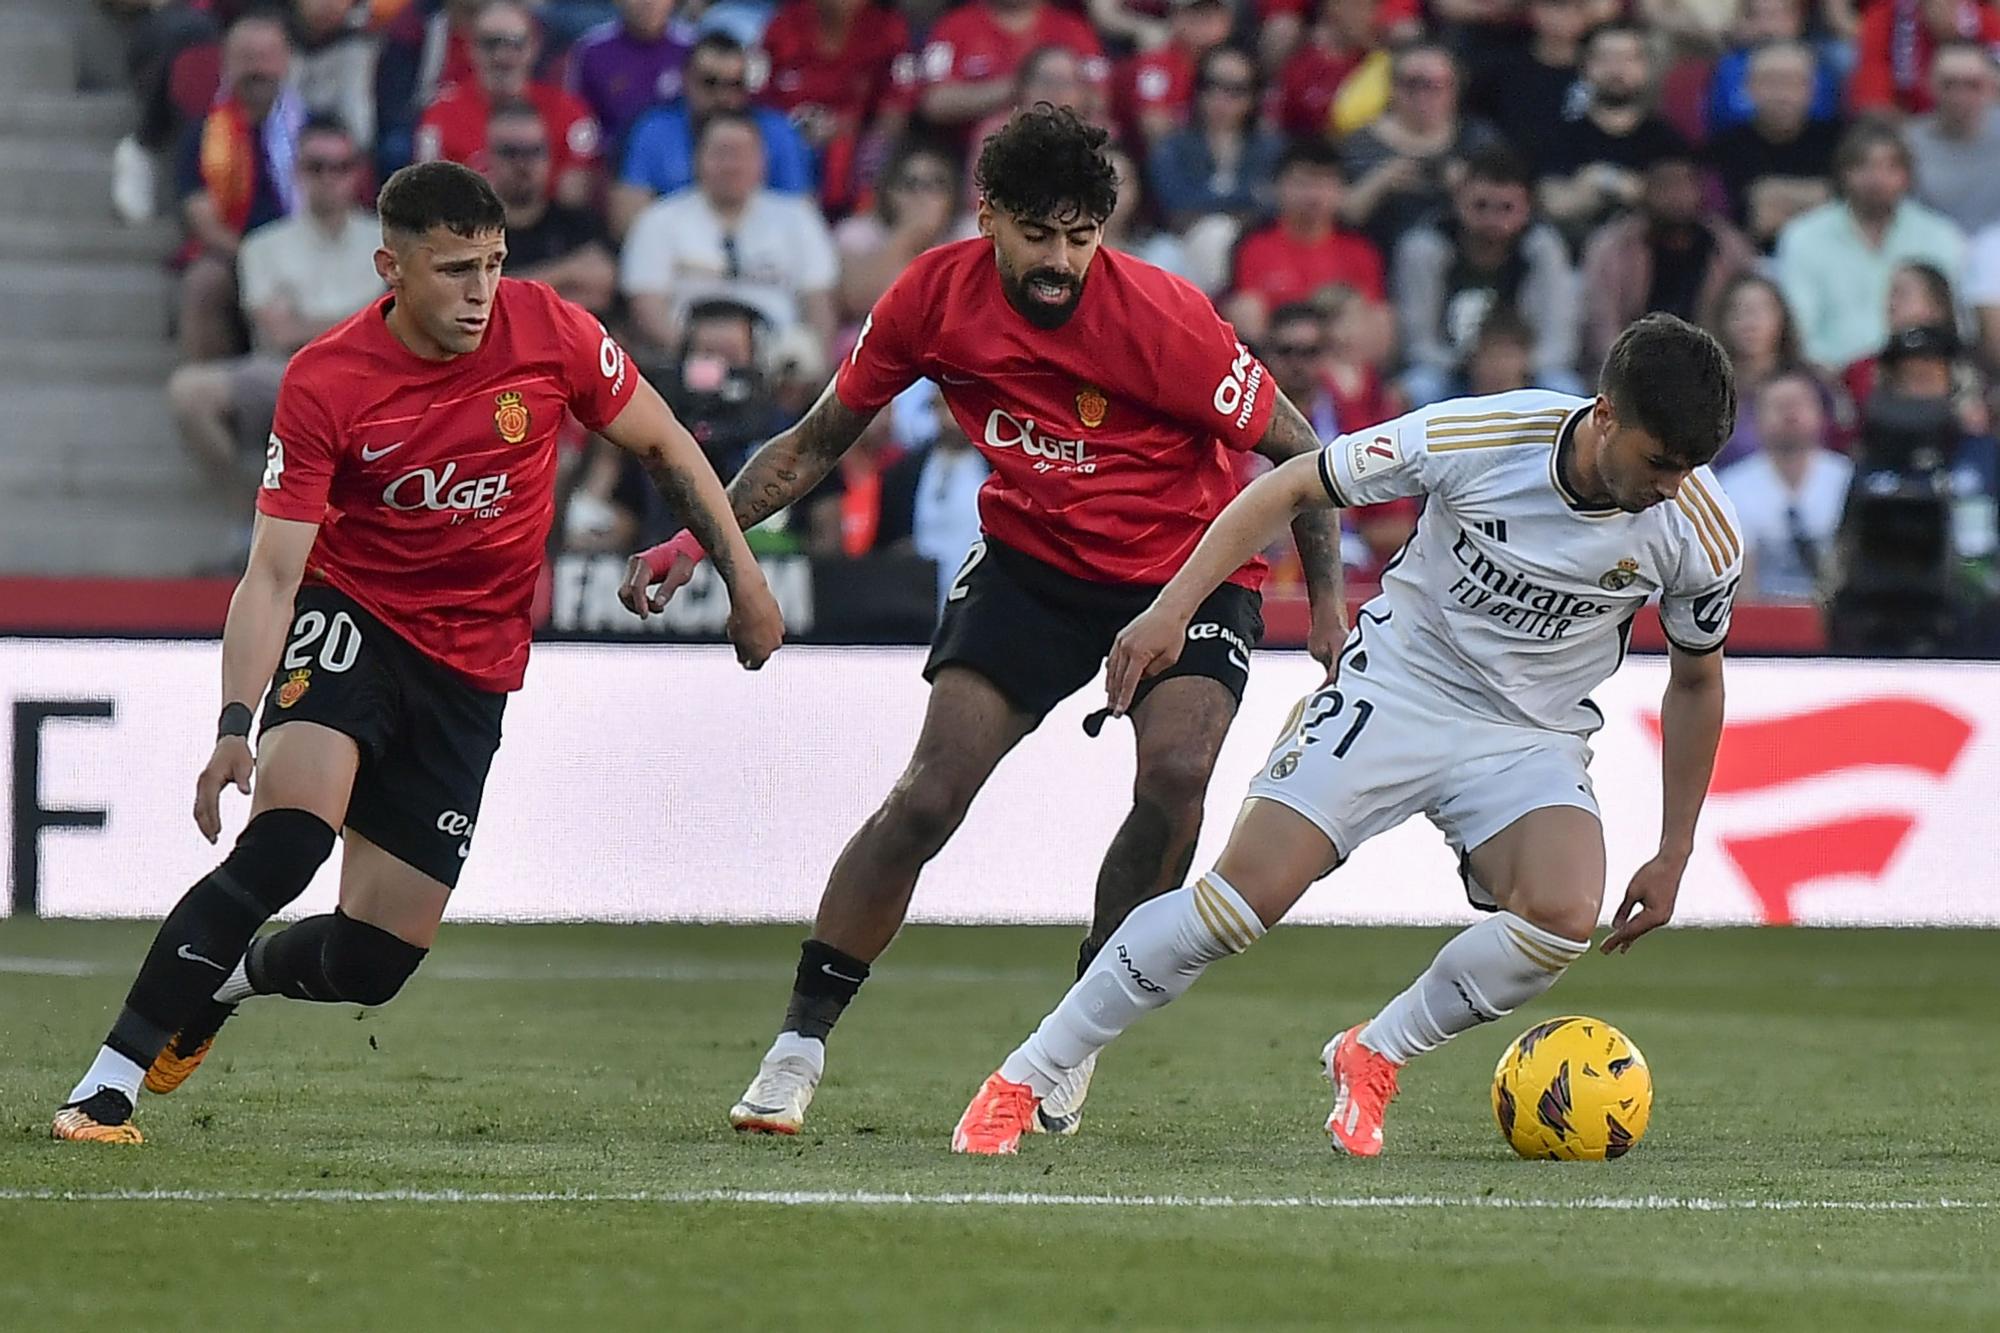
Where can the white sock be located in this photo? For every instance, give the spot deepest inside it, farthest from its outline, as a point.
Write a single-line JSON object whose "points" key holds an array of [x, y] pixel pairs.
{"points": [[237, 989], [1156, 955], [1482, 972], [810, 1049], [109, 1070]]}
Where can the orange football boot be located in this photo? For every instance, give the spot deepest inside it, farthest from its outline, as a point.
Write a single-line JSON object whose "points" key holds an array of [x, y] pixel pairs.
{"points": [[1000, 1113], [1364, 1083]]}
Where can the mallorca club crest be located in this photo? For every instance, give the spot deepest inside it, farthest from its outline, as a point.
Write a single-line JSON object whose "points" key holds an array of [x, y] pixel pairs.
{"points": [[510, 416], [1091, 405], [1621, 578], [294, 688]]}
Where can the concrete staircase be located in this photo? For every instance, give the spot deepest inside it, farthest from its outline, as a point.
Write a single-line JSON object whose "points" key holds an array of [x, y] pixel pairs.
{"points": [[92, 475]]}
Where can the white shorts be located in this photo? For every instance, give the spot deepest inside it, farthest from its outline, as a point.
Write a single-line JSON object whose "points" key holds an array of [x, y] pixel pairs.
{"points": [[1364, 754]]}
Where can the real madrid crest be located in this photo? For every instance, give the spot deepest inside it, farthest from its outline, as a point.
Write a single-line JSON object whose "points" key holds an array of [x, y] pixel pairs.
{"points": [[1091, 405], [510, 416], [1621, 578], [294, 688], [1285, 766]]}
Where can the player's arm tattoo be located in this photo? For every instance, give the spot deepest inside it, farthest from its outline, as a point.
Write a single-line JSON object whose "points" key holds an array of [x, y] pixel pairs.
{"points": [[793, 461], [1316, 530], [679, 488]]}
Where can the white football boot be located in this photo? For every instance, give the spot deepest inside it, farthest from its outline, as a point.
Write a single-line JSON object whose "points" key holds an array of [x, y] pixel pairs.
{"points": [[776, 1100], [1061, 1112]]}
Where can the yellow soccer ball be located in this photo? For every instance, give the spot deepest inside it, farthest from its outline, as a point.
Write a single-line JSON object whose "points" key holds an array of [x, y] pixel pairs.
{"points": [[1574, 1089]]}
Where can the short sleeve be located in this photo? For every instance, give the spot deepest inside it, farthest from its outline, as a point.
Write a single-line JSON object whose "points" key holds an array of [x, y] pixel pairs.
{"points": [[1696, 604], [299, 457], [885, 359], [257, 270], [601, 377], [1210, 381], [1381, 463]]}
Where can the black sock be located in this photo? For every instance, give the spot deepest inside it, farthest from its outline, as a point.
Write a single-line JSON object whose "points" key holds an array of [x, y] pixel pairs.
{"points": [[827, 980], [292, 961], [197, 947]]}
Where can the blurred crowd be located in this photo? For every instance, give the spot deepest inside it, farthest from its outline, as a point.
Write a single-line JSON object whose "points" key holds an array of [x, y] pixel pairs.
{"points": [[1394, 201]]}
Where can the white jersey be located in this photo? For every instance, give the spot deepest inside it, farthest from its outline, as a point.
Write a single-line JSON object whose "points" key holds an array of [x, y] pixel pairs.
{"points": [[1513, 601]]}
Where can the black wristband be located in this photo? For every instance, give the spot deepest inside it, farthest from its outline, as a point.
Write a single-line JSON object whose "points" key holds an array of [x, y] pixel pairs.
{"points": [[235, 721]]}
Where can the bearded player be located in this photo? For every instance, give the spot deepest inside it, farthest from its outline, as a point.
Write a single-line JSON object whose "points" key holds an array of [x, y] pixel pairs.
{"points": [[1463, 693], [405, 506], [1108, 397]]}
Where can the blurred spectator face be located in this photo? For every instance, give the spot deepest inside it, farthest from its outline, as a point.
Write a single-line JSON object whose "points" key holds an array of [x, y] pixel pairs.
{"points": [[718, 343], [1492, 211], [503, 48], [1673, 193], [1423, 92], [1560, 20], [1878, 182], [320, 18], [1941, 17], [1309, 196], [326, 166], [1963, 83], [1616, 69], [1293, 351], [1501, 362], [922, 191], [646, 19], [1914, 301], [1352, 22], [1781, 87], [517, 149], [717, 81], [1197, 25], [256, 57], [1753, 321], [1790, 414], [729, 166], [1228, 97], [1770, 21], [1053, 75], [1362, 332]]}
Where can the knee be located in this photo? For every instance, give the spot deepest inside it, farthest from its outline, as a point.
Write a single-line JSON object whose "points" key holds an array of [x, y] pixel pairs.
{"points": [[924, 810], [1175, 782], [365, 964], [276, 856], [1571, 917]]}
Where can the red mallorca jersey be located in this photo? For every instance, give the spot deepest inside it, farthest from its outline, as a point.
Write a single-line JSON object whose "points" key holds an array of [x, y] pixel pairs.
{"points": [[453, 128], [433, 482], [1109, 438]]}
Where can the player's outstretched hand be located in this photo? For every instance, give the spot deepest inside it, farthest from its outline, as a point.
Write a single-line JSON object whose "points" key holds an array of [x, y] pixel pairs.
{"points": [[756, 626], [1146, 647], [230, 765], [641, 595], [1328, 633], [1649, 902]]}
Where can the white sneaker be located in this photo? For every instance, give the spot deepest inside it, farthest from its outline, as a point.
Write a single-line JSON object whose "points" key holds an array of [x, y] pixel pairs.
{"points": [[1061, 1112], [776, 1100]]}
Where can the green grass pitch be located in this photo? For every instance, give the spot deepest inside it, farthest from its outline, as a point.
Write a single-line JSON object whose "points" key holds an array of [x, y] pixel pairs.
{"points": [[1852, 1069]]}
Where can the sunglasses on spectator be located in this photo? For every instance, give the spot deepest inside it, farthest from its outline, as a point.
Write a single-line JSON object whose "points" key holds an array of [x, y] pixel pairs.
{"points": [[520, 152], [717, 83], [924, 181], [1236, 87], [1422, 83], [499, 41], [326, 166], [1290, 351]]}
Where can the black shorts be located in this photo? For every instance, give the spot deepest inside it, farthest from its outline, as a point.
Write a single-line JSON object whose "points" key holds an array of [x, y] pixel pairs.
{"points": [[427, 737], [1040, 635]]}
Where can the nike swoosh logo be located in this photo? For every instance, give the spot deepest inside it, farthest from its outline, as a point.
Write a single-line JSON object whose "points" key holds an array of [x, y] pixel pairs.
{"points": [[1238, 660], [958, 379], [464, 850], [370, 455], [193, 957], [838, 976]]}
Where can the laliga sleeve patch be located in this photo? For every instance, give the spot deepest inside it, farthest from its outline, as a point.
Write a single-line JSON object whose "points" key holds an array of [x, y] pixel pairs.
{"points": [[1374, 453]]}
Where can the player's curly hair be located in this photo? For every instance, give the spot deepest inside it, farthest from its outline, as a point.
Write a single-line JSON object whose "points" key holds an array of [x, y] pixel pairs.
{"points": [[440, 194], [1673, 381], [1048, 162]]}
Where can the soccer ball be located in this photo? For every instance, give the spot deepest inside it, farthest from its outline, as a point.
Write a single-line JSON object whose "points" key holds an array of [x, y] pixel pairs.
{"points": [[1572, 1089]]}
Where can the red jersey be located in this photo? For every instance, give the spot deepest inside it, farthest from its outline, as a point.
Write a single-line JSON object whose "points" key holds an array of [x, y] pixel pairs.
{"points": [[968, 45], [849, 81], [1894, 48], [1161, 80], [454, 127], [1109, 438], [1279, 267], [433, 482]]}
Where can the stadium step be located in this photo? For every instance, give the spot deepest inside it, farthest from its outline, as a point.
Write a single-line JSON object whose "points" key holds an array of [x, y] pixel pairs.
{"points": [[107, 300], [42, 240], [38, 53], [77, 116], [113, 532], [114, 360], [78, 438], [58, 181]]}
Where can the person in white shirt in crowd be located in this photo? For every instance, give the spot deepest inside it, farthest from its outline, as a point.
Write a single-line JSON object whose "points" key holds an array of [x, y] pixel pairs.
{"points": [[333, 62], [1957, 146], [299, 276], [1790, 494], [730, 237]]}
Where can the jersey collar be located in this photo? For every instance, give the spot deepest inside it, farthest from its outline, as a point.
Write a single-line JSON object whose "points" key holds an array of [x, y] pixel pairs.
{"points": [[1566, 441]]}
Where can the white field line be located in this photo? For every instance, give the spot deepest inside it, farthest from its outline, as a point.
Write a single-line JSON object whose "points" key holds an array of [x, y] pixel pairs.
{"points": [[1650, 1203], [576, 970]]}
